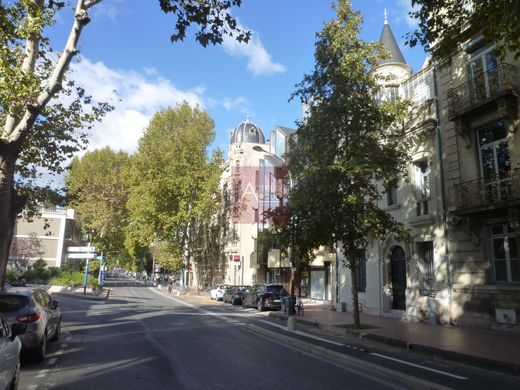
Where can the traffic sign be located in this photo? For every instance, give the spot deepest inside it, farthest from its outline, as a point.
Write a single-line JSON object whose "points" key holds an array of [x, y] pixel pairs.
{"points": [[81, 249], [81, 255]]}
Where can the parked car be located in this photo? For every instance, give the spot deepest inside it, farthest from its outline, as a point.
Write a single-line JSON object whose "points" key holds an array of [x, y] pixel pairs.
{"points": [[38, 311], [218, 292], [10, 351], [233, 294], [263, 296]]}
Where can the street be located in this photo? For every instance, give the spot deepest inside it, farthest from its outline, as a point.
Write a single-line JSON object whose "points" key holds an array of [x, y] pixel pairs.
{"points": [[142, 339]]}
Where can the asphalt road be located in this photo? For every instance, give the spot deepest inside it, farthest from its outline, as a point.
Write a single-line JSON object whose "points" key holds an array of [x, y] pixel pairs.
{"points": [[140, 339]]}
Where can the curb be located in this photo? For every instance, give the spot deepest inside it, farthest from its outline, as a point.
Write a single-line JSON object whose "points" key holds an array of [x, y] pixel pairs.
{"points": [[359, 366], [458, 357], [102, 297]]}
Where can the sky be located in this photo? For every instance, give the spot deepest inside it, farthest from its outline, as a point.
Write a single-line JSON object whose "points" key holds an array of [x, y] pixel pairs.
{"points": [[126, 48]]}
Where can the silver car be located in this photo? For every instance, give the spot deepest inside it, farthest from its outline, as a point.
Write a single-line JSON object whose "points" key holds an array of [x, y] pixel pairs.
{"points": [[35, 308], [10, 350]]}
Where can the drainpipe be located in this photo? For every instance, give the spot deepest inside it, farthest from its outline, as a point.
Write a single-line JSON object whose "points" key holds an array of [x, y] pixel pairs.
{"points": [[443, 195]]}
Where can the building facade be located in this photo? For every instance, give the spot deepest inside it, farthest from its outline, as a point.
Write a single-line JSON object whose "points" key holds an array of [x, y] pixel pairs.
{"points": [[49, 235], [479, 120], [407, 279]]}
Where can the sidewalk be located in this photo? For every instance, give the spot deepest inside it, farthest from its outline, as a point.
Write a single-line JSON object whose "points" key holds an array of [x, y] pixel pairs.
{"points": [[484, 348]]}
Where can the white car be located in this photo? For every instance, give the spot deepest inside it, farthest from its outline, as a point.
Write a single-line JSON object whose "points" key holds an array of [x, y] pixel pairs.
{"points": [[218, 292], [10, 350]]}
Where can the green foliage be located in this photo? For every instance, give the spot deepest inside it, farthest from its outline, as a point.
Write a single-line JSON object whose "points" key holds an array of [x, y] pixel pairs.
{"points": [[93, 267], [443, 25], [72, 279], [37, 273], [97, 187], [348, 143], [12, 274], [172, 179], [169, 255], [213, 18]]}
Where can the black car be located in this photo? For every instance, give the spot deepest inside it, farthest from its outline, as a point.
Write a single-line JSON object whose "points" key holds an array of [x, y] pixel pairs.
{"points": [[263, 296], [233, 294]]}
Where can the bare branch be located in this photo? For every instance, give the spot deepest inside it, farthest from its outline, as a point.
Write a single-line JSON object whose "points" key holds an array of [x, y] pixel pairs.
{"points": [[89, 4], [30, 56], [54, 85]]}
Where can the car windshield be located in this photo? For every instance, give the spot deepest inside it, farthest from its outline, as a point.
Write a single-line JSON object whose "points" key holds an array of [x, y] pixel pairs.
{"points": [[274, 289], [9, 303]]}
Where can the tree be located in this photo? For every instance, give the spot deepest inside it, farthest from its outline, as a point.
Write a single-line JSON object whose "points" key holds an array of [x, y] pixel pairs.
{"points": [[39, 130], [172, 180], [24, 249], [98, 189], [443, 25], [348, 143]]}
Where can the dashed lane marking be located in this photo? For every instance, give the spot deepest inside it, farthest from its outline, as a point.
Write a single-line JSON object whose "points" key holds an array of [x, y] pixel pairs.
{"points": [[418, 366], [51, 361], [363, 350]]}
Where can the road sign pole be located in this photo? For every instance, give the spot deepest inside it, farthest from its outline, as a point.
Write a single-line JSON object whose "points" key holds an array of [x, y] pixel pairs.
{"points": [[85, 281]]}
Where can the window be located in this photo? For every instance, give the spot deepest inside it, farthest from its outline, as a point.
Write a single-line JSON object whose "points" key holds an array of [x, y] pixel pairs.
{"points": [[495, 160], [483, 72], [361, 268], [422, 186], [426, 266], [391, 192], [505, 244]]}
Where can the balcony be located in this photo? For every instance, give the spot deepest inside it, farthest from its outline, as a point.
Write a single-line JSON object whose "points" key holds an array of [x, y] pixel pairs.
{"points": [[485, 194], [485, 88]]}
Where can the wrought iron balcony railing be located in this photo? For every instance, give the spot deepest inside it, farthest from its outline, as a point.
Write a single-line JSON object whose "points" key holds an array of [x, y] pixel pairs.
{"points": [[482, 192], [484, 88]]}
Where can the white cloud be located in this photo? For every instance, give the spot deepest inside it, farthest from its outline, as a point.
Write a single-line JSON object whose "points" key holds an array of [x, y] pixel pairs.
{"points": [[403, 7], [259, 61], [136, 98], [238, 104]]}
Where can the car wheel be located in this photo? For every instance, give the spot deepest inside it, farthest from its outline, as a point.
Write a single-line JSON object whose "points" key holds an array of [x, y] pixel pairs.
{"points": [[16, 377], [260, 305], [57, 334], [41, 350]]}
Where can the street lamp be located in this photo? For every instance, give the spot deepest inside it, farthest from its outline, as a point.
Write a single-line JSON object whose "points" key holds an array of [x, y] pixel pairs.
{"points": [[290, 322]]}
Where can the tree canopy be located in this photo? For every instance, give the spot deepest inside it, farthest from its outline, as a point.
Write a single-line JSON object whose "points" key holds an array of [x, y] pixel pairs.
{"points": [[348, 143], [445, 24], [173, 180], [44, 117], [97, 187]]}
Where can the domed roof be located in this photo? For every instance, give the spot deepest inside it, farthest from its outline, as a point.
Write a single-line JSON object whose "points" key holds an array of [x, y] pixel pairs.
{"points": [[247, 131]]}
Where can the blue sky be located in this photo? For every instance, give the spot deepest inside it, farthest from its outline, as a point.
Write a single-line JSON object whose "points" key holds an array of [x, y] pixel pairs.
{"points": [[126, 48]]}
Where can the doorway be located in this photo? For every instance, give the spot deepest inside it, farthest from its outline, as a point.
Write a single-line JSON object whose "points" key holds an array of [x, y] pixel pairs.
{"points": [[398, 275]]}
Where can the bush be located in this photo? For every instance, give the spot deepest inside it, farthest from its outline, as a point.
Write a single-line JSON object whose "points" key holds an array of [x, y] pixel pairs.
{"points": [[11, 274], [37, 273], [73, 279]]}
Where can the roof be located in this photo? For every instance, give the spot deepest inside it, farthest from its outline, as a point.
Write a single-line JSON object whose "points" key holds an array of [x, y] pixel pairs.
{"points": [[247, 131], [390, 44]]}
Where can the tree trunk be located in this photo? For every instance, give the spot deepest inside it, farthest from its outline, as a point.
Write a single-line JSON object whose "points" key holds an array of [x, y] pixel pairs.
{"points": [[355, 301], [10, 206]]}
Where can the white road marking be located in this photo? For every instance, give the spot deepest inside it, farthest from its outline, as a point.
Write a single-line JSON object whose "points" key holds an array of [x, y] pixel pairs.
{"points": [[360, 349], [51, 361], [42, 373], [299, 332], [418, 366]]}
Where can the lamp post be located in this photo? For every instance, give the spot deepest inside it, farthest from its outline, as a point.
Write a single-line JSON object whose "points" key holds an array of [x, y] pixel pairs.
{"points": [[290, 322]]}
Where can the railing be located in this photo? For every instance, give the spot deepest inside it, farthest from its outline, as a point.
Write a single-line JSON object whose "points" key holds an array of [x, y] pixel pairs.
{"points": [[482, 192], [481, 89]]}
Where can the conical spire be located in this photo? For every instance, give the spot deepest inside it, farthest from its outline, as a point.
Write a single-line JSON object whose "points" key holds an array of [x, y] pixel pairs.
{"points": [[390, 44]]}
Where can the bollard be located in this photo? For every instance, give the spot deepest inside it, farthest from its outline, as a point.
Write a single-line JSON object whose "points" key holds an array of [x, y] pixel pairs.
{"points": [[291, 323]]}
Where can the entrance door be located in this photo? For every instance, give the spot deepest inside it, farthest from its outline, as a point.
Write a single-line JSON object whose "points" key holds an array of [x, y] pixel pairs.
{"points": [[398, 273]]}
